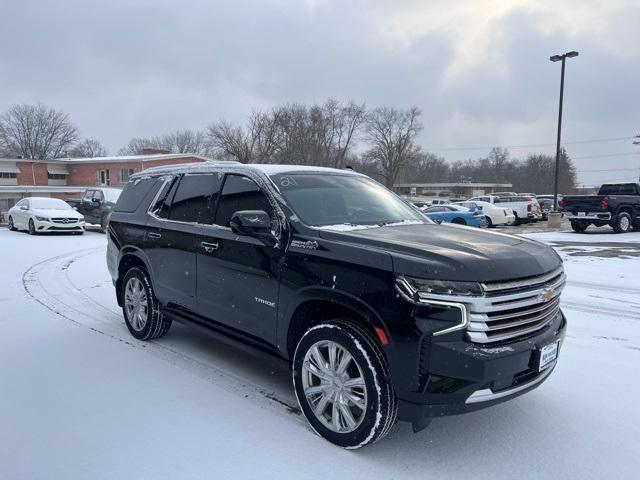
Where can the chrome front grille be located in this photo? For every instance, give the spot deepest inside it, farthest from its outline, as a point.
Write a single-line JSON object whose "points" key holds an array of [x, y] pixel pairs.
{"points": [[515, 309], [507, 310], [64, 220]]}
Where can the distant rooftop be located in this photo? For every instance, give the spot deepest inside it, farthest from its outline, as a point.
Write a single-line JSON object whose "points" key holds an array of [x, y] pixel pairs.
{"points": [[112, 159]]}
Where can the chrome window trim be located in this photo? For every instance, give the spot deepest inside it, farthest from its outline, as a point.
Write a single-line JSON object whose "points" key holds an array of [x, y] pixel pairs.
{"points": [[487, 395], [169, 178]]}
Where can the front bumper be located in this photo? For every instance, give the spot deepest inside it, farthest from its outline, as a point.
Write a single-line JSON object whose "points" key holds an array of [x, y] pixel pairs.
{"points": [[462, 377], [43, 226]]}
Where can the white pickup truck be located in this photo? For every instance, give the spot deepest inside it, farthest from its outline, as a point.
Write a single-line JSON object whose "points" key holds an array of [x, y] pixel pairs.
{"points": [[526, 209]]}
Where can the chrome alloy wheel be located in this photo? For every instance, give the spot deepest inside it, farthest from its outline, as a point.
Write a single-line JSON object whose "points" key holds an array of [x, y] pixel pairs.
{"points": [[135, 301], [624, 223], [334, 386]]}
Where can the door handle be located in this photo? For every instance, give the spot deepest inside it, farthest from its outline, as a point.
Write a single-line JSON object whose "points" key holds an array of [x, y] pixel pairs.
{"points": [[209, 247], [154, 235]]}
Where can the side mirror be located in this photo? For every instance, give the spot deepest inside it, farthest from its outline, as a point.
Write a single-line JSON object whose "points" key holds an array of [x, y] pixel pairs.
{"points": [[95, 201], [251, 222], [439, 221]]}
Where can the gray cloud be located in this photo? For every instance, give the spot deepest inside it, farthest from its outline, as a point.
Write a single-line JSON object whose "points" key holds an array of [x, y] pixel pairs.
{"points": [[479, 70]]}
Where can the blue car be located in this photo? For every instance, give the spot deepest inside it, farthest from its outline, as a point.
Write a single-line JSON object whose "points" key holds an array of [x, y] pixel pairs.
{"points": [[455, 214]]}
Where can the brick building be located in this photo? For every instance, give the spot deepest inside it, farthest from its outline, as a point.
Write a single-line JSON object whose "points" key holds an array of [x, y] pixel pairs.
{"points": [[67, 177]]}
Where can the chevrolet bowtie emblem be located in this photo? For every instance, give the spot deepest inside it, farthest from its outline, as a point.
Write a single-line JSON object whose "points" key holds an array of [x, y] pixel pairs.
{"points": [[547, 295]]}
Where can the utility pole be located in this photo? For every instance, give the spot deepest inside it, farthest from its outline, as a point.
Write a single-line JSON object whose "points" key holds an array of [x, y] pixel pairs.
{"points": [[557, 58]]}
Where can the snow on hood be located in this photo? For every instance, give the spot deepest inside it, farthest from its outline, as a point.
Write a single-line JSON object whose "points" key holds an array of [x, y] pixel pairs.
{"points": [[56, 212]]}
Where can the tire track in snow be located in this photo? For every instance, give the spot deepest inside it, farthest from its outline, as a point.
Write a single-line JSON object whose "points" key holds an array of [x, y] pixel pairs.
{"points": [[599, 286], [48, 283]]}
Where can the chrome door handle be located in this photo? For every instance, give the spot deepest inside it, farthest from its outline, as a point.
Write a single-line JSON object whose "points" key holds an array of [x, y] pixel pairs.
{"points": [[209, 247], [154, 235]]}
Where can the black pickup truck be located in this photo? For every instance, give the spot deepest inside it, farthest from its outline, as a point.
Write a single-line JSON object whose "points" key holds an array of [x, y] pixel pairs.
{"points": [[616, 204], [96, 205]]}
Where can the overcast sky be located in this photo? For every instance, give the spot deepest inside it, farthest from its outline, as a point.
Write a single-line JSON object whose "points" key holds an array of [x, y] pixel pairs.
{"points": [[479, 70]]}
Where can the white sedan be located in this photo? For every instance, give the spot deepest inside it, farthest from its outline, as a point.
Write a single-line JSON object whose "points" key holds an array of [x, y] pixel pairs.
{"points": [[45, 215], [493, 214]]}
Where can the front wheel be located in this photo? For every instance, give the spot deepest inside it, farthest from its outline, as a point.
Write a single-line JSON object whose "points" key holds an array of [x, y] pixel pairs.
{"points": [[622, 223], [343, 385], [141, 308], [32, 227], [459, 221], [12, 227]]}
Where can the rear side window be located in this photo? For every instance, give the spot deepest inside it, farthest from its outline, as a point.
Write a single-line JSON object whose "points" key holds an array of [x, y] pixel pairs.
{"points": [[240, 193], [134, 193], [163, 204], [192, 195]]}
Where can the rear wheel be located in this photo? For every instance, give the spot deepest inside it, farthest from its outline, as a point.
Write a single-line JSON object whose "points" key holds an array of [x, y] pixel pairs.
{"points": [[32, 227], [141, 308], [489, 222], [579, 226], [12, 227], [343, 385], [622, 223], [459, 221]]}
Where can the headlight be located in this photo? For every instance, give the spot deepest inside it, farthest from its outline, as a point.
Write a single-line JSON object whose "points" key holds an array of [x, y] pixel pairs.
{"points": [[81, 219], [42, 219], [443, 287]]}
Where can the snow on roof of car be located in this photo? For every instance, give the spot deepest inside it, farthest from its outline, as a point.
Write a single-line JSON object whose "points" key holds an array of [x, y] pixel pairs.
{"points": [[218, 165]]}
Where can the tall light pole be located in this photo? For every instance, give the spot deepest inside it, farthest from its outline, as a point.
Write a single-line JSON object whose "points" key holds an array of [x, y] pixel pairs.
{"points": [[558, 58]]}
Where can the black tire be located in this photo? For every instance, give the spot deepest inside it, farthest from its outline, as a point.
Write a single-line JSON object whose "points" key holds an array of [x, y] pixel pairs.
{"points": [[381, 409], [517, 221], [622, 223], [489, 222], [32, 227], [156, 324], [459, 221], [578, 226], [11, 226]]}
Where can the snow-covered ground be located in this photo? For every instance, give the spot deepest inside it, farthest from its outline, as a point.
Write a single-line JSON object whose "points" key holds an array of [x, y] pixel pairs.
{"points": [[80, 398]]}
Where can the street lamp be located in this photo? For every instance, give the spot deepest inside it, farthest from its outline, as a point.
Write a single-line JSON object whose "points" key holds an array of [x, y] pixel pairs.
{"points": [[558, 58]]}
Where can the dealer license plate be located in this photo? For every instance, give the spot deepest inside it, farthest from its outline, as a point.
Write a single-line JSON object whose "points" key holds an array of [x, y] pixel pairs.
{"points": [[548, 354]]}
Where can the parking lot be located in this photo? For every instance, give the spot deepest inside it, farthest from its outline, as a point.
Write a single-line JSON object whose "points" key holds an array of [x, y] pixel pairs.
{"points": [[84, 396]]}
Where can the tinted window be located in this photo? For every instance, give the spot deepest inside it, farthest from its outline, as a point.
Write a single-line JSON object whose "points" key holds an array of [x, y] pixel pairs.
{"points": [[620, 189], [190, 196], [163, 205], [239, 193], [88, 195], [434, 209], [134, 193]]}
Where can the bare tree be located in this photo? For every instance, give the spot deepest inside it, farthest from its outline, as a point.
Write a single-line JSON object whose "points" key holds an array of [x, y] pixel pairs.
{"points": [[184, 141], [36, 132], [392, 134], [179, 141], [88, 148], [229, 141]]}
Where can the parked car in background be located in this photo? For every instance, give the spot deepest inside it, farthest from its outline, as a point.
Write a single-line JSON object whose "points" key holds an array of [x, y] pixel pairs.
{"points": [[546, 204], [381, 313], [97, 204], [45, 215], [455, 214], [616, 204], [440, 201], [525, 209], [493, 214]]}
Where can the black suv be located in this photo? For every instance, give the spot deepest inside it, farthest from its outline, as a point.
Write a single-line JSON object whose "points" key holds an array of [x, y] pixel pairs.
{"points": [[382, 313]]}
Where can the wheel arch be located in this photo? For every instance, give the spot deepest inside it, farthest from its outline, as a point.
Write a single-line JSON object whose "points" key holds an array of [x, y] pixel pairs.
{"points": [[318, 305], [130, 257]]}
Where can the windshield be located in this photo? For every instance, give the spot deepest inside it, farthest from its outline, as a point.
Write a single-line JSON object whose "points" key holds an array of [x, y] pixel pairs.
{"points": [[343, 200], [49, 204]]}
